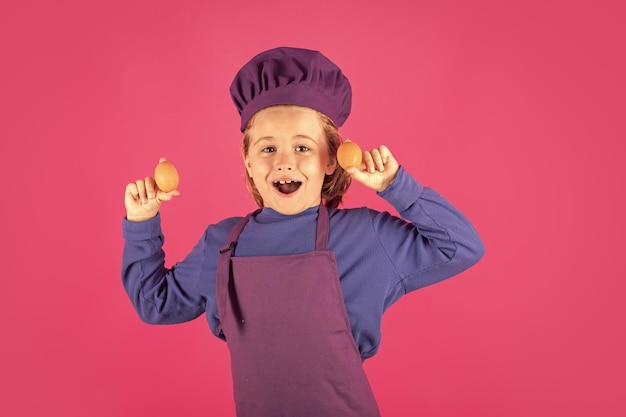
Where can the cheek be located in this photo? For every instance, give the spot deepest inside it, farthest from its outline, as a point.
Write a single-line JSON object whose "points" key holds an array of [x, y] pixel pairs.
{"points": [[317, 169], [324, 164]]}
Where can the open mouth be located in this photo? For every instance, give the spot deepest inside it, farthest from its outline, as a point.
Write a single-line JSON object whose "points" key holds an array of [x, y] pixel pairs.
{"points": [[288, 186]]}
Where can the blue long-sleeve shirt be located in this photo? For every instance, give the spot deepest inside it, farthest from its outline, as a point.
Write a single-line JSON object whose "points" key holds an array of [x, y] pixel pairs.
{"points": [[380, 257]]}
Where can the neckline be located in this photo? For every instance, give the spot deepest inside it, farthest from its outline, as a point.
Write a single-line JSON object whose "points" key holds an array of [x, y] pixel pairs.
{"points": [[321, 238], [269, 215]]}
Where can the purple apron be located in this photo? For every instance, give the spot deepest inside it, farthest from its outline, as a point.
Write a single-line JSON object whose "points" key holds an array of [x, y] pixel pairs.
{"points": [[287, 330]]}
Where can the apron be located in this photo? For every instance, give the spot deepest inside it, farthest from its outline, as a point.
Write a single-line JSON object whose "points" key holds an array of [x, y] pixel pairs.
{"points": [[287, 329]]}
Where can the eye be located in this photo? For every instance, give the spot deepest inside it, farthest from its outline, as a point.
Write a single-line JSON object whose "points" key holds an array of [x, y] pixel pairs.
{"points": [[268, 149], [302, 148]]}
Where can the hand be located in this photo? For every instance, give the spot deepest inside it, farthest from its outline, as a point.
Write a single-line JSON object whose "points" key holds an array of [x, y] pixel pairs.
{"points": [[378, 169], [143, 199]]}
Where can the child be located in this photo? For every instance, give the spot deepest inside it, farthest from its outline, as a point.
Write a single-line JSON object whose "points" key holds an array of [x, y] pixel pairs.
{"points": [[298, 288]]}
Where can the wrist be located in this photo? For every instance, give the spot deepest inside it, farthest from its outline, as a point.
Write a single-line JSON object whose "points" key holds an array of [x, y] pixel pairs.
{"points": [[138, 219], [385, 186]]}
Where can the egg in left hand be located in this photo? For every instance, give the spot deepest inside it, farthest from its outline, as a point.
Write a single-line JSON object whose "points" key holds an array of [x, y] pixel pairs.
{"points": [[166, 176], [349, 155]]}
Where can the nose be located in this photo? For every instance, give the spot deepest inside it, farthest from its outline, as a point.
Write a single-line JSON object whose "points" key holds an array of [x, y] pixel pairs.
{"points": [[284, 162]]}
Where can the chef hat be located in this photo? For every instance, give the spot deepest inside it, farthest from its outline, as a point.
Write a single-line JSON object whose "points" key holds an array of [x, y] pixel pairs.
{"points": [[291, 76]]}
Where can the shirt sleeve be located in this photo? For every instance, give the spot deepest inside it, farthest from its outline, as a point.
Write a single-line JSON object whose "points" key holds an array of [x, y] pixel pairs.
{"points": [[160, 295], [436, 241]]}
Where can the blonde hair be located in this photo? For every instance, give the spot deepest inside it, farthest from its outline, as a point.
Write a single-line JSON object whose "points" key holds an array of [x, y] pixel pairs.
{"points": [[335, 185]]}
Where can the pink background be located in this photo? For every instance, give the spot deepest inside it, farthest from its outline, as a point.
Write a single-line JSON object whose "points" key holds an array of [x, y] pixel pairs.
{"points": [[513, 110]]}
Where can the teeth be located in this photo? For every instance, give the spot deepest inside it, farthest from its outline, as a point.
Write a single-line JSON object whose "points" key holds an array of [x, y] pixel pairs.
{"points": [[283, 182]]}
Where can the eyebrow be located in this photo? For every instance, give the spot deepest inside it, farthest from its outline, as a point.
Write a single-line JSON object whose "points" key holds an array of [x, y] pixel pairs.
{"points": [[296, 137]]}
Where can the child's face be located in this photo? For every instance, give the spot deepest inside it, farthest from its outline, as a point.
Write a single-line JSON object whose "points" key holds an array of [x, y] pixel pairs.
{"points": [[288, 158]]}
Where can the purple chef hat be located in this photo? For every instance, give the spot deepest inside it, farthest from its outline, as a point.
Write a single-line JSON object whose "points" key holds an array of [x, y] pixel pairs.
{"points": [[291, 76]]}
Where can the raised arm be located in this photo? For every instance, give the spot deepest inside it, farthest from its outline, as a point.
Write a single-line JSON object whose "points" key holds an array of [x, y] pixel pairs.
{"points": [[433, 240], [159, 295]]}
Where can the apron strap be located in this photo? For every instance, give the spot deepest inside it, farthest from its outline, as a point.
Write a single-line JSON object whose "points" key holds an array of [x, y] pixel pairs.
{"points": [[321, 239], [235, 232], [224, 269]]}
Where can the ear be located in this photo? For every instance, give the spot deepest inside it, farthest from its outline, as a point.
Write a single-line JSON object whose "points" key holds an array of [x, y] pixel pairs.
{"points": [[246, 161], [332, 165]]}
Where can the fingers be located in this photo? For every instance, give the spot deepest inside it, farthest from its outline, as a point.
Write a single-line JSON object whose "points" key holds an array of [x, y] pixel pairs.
{"points": [[145, 190], [151, 188], [132, 193], [163, 196], [378, 169], [376, 159]]}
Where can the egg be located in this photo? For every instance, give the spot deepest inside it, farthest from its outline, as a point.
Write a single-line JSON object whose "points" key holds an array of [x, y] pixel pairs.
{"points": [[349, 155], [166, 176]]}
